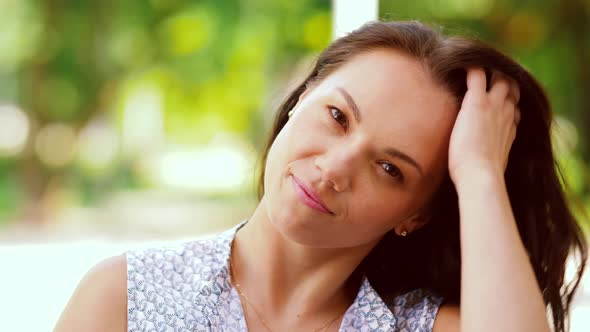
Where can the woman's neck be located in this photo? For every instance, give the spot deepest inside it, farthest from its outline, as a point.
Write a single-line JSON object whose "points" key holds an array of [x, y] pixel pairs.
{"points": [[283, 277]]}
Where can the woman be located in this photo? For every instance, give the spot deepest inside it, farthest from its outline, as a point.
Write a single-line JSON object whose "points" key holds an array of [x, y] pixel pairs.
{"points": [[409, 185]]}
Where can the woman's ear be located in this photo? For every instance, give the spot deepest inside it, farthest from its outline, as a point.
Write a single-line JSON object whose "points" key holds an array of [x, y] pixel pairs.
{"points": [[414, 223]]}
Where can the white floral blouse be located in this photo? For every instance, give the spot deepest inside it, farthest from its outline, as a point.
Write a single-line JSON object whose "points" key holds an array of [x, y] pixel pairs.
{"points": [[187, 288]]}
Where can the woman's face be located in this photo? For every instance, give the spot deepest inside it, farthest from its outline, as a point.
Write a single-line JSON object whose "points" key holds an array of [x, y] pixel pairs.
{"points": [[362, 154]]}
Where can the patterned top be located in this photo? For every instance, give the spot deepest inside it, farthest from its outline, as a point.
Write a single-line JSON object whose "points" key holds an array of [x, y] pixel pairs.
{"points": [[188, 288]]}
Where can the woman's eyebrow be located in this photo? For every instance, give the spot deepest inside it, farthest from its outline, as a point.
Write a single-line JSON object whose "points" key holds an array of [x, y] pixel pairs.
{"points": [[395, 153], [351, 104]]}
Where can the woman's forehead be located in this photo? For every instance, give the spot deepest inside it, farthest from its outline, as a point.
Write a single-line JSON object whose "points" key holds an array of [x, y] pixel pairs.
{"points": [[387, 75], [387, 83]]}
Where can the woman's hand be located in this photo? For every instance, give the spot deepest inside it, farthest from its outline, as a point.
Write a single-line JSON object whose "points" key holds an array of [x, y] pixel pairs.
{"points": [[485, 127]]}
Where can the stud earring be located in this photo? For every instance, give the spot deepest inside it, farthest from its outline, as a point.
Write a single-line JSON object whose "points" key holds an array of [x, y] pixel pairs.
{"points": [[404, 233], [290, 113]]}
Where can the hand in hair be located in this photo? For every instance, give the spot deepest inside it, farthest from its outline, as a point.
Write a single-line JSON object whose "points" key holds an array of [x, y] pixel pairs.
{"points": [[485, 126]]}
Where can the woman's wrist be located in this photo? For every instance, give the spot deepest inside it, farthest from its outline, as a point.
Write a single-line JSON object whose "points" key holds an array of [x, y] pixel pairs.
{"points": [[477, 177]]}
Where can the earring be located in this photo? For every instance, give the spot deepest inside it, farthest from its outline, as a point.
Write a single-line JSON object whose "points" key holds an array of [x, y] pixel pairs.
{"points": [[290, 113], [404, 233]]}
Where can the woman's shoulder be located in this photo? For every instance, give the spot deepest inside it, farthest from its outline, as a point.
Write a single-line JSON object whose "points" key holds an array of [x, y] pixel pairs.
{"points": [[164, 284], [116, 284], [99, 302], [199, 257]]}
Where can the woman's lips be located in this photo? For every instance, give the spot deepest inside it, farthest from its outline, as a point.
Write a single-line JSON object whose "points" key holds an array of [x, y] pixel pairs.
{"points": [[308, 197]]}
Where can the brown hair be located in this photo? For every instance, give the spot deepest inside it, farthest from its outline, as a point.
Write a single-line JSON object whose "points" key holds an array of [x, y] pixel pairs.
{"points": [[432, 257]]}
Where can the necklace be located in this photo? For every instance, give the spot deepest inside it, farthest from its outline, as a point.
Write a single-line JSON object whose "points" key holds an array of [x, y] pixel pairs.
{"points": [[322, 328]]}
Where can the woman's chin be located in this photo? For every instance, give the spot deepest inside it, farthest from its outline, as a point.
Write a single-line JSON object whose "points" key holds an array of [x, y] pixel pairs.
{"points": [[301, 230]]}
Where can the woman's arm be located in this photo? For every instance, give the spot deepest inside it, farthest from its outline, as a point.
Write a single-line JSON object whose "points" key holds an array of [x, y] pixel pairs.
{"points": [[499, 291], [447, 319], [100, 300]]}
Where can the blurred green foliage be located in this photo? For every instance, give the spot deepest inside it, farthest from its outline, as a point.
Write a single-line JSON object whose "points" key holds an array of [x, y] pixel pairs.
{"points": [[107, 86], [197, 68]]}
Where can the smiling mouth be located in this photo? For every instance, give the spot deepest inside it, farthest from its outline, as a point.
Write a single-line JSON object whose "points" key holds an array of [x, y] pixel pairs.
{"points": [[307, 197]]}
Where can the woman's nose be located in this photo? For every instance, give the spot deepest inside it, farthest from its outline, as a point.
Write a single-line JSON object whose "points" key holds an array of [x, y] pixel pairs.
{"points": [[337, 166]]}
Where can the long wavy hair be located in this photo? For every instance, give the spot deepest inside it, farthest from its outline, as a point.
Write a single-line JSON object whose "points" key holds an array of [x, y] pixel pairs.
{"points": [[432, 258]]}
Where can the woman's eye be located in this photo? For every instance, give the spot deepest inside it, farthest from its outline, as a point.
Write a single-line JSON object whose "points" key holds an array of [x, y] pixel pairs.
{"points": [[392, 170], [339, 116]]}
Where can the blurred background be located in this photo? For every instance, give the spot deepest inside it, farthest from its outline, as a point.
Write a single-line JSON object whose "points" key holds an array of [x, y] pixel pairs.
{"points": [[139, 122]]}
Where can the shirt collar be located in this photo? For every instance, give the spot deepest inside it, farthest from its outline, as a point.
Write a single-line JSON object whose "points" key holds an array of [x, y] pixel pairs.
{"points": [[369, 310], [211, 293]]}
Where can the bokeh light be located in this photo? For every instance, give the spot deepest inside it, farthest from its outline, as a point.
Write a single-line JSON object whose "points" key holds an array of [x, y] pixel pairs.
{"points": [[20, 30], [143, 127], [98, 146], [188, 31], [473, 9], [14, 130], [222, 167], [56, 144], [564, 135]]}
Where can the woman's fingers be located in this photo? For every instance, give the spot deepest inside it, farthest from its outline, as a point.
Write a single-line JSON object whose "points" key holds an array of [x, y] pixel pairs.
{"points": [[504, 87], [505, 90], [514, 95], [476, 80], [514, 91], [500, 86]]}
